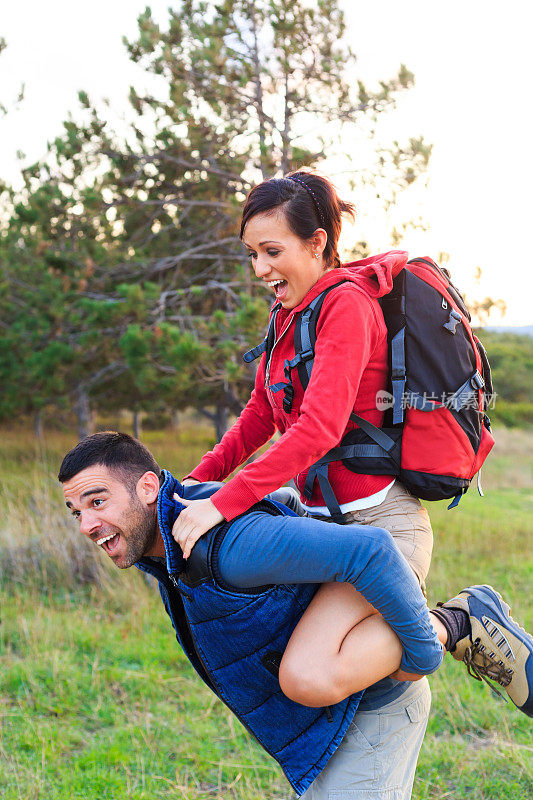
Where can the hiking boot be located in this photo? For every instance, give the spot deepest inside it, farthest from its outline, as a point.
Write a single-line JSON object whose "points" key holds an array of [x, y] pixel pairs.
{"points": [[498, 648]]}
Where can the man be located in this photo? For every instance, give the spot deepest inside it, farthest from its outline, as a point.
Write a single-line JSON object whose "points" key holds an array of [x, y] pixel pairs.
{"points": [[236, 601]]}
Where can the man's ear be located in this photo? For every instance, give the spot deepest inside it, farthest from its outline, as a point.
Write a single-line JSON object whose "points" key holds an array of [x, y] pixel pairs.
{"points": [[148, 487]]}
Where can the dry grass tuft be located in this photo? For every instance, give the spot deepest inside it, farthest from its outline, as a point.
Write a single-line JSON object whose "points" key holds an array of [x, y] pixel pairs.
{"points": [[40, 543]]}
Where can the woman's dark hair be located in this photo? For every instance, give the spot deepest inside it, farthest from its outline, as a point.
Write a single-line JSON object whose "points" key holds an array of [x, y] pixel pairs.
{"points": [[119, 452], [308, 200]]}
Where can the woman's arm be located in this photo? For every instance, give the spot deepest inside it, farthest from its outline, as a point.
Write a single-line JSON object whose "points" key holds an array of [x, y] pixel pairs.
{"points": [[348, 332]]}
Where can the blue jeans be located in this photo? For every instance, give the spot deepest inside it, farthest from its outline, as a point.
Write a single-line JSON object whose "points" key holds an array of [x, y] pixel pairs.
{"points": [[261, 549]]}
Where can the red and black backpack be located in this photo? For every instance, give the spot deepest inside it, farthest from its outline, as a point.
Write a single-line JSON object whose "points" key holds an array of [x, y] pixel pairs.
{"points": [[435, 434]]}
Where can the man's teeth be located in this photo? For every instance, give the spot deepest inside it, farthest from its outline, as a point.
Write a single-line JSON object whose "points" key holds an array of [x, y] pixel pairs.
{"points": [[275, 283], [105, 538]]}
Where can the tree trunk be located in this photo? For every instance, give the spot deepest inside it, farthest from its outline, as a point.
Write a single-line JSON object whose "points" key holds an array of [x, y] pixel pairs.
{"points": [[38, 424], [175, 421], [221, 421], [137, 423], [83, 412], [259, 107], [285, 133]]}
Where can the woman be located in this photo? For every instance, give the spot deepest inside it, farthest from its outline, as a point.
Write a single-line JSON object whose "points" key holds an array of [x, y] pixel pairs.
{"points": [[290, 227]]}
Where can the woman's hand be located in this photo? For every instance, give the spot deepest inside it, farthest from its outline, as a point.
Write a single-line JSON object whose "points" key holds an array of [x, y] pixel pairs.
{"points": [[188, 482], [197, 518]]}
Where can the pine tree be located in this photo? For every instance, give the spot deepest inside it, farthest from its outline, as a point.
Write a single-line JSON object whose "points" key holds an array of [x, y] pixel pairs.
{"points": [[135, 236]]}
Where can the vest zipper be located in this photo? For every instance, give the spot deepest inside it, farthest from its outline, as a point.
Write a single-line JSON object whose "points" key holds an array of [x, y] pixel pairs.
{"points": [[174, 581], [202, 662]]}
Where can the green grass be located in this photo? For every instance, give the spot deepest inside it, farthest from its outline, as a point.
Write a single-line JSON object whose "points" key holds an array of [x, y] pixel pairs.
{"points": [[96, 699]]}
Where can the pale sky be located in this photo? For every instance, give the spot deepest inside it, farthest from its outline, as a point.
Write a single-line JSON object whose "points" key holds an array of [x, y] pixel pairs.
{"points": [[473, 67]]}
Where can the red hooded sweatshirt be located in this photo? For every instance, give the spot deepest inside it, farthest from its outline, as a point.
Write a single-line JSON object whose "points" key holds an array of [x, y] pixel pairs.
{"points": [[350, 367]]}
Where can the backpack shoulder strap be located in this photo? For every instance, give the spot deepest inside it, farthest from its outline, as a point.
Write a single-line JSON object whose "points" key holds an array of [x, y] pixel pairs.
{"points": [[268, 342], [305, 334]]}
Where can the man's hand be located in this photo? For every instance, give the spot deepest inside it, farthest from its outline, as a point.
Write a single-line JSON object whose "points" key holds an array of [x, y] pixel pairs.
{"points": [[400, 675], [197, 518], [189, 482]]}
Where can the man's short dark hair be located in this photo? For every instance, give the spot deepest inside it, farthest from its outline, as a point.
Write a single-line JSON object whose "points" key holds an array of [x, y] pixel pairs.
{"points": [[119, 452]]}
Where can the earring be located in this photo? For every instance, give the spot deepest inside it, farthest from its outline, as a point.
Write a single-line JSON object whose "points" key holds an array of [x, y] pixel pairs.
{"points": [[316, 255]]}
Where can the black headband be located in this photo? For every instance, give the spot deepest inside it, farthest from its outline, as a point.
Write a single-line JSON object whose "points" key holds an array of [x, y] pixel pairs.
{"points": [[313, 196]]}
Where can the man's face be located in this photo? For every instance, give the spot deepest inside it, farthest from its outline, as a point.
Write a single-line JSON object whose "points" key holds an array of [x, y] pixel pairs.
{"points": [[121, 521]]}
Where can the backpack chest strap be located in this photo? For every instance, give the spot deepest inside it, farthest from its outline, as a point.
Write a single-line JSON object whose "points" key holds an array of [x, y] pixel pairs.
{"points": [[287, 386], [255, 352]]}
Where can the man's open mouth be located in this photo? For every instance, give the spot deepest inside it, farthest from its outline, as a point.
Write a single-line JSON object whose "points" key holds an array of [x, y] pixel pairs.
{"points": [[109, 543]]}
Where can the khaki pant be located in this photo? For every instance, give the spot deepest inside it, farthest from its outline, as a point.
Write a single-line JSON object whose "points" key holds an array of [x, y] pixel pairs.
{"points": [[407, 521], [376, 759]]}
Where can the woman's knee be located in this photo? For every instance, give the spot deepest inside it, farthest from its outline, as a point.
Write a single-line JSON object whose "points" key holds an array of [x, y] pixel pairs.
{"points": [[377, 544], [380, 536], [309, 685]]}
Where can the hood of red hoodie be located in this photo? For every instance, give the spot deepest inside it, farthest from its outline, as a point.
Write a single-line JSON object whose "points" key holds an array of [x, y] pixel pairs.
{"points": [[374, 275]]}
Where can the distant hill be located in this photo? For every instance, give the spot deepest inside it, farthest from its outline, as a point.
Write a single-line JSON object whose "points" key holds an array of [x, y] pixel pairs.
{"points": [[510, 352], [521, 330]]}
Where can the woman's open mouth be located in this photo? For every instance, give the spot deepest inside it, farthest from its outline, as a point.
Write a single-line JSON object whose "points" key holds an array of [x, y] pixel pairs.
{"points": [[280, 288]]}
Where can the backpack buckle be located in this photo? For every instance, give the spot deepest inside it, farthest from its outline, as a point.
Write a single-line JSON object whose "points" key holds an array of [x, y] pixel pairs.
{"points": [[288, 398], [397, 374], [476, 381], [453, 320]]}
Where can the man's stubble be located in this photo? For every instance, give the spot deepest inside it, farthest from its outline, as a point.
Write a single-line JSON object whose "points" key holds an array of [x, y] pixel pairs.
{"points": [[138, 528]]}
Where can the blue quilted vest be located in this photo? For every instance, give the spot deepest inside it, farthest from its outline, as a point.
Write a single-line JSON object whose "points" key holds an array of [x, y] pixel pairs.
{"points": [[235, 639]]}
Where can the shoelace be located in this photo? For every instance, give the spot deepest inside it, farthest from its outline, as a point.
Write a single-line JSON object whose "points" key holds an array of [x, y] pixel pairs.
{"points": [[488, 668]]}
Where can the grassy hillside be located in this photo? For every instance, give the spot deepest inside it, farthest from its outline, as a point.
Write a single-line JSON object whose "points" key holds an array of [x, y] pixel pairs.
{"points": [[96, 699]]}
